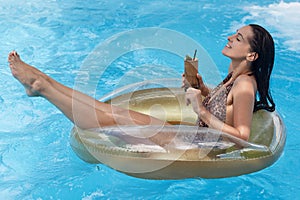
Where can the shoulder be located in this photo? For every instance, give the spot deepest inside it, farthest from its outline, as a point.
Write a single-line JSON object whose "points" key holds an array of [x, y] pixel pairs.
{"points": [[245, 83]]}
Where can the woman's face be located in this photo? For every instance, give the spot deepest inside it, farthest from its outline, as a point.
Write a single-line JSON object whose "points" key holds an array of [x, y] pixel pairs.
{"points": [[238, 45]]}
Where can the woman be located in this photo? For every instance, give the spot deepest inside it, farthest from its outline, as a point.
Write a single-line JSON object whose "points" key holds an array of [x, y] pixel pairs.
{"points": [[251, 51], [229, 107]]}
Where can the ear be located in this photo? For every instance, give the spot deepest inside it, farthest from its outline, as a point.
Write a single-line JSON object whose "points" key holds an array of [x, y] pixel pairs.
{"points": [[252, 56]]}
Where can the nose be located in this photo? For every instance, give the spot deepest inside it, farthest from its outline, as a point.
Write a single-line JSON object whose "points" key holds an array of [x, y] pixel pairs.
{"points": [[231, 37]]}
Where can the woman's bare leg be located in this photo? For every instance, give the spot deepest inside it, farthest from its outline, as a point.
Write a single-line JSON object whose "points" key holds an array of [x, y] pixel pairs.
{"points": [[82, 110], [62, 88]]}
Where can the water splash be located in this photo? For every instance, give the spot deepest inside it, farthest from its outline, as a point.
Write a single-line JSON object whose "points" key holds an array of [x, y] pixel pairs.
{"points": [[283, 19]]}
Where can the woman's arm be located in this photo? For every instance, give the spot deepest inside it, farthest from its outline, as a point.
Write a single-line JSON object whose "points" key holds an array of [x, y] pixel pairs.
{"points": [[243, 94]]}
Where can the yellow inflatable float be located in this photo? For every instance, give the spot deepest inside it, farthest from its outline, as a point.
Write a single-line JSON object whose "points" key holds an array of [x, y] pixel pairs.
{"points": [[193, 152]]}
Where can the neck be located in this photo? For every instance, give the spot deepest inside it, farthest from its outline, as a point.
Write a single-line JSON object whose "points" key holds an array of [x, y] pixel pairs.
{"points": [[239, 68]]}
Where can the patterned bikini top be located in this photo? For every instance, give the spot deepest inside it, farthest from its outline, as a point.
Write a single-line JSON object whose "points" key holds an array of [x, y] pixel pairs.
{"points": [[215, 102]]}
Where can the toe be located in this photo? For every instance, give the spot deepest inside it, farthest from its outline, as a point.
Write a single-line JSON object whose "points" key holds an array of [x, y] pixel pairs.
{"points": [[16, 53]]}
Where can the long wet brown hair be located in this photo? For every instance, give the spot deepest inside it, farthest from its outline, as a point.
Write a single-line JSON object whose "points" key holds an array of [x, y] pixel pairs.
{"points": [[263, 44]]}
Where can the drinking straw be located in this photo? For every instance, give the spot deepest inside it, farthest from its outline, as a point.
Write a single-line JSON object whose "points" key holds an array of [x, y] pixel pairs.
{"points": [[195, 54]]}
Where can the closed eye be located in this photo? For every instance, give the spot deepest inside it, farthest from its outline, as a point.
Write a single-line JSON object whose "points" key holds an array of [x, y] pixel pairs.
{"points": [[240, 37]]}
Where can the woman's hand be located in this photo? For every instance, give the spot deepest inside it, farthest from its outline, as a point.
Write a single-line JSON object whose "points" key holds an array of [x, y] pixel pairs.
{"points": [[193, 97], [185, 83], [204, 89]]}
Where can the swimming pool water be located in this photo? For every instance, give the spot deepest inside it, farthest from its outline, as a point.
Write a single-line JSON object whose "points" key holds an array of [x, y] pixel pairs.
{"points": [[36, 160]]}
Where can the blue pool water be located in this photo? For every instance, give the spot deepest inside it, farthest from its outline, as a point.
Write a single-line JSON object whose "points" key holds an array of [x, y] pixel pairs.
{"points": [[36, 160]]}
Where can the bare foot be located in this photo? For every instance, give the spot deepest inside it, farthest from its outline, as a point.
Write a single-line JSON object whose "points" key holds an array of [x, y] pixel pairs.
{"points": [[27, 75]]}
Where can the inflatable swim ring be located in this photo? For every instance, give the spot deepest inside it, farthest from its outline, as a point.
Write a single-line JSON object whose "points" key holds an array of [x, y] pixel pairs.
{"points": [[193, 152]]}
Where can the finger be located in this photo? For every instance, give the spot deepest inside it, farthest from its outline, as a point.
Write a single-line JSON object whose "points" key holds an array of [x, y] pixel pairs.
{"points": [[187, 102], [199, 77], [187, 99]]}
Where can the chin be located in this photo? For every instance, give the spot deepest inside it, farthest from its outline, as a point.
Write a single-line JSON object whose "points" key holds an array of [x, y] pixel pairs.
{"points": [[224, 52]]}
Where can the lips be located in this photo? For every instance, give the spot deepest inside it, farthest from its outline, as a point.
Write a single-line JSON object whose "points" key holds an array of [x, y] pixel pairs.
{"points": [[227, 45]]}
